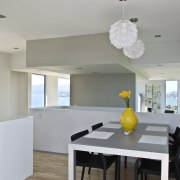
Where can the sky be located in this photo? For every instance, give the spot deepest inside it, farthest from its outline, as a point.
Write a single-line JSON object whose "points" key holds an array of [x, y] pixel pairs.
{"points": [[37, 79], [171, 86]]}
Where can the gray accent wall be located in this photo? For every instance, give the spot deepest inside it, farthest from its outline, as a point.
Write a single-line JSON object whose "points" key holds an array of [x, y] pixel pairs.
{"points": [[102, 89]]}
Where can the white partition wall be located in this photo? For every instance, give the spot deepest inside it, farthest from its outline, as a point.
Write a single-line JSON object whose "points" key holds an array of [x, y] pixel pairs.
{"points": [[16, 149], [54, 126]]}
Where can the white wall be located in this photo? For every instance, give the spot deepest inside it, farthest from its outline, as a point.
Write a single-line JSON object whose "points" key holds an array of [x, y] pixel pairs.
{"points": [[53, 127], [95, 49], [14, 94], [13, 91], [19, 85], [51, 90], [140, 89], [18, 61], [18, 94], [76, 50], [157, 53], [23, 93], [4, 85]]}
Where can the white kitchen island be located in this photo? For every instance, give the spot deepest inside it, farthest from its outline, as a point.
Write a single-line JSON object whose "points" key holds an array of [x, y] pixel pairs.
{"points": [[16, 148]]}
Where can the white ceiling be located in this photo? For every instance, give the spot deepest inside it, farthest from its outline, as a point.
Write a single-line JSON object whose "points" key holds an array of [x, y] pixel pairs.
{"points": [[39, 19]]}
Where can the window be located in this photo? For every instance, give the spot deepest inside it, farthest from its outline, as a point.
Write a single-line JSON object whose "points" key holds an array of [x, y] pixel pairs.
{"points": [[37, 90], [63, 91], [171, 95]]}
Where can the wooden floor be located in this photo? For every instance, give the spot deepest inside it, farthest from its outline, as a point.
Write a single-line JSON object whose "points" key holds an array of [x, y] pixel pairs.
{"points": [[52, 166]]}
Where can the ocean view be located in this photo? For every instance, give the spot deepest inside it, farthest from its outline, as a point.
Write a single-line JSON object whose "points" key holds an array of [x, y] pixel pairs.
{"points": [[38, 100], [171, 102]]}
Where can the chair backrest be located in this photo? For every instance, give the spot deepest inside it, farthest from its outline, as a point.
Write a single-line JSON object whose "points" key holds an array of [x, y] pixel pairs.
{"points": [[78, 135], [176, 162], [96, 126], [82, 157], [177, 136], [176, 132], [168, 111]]}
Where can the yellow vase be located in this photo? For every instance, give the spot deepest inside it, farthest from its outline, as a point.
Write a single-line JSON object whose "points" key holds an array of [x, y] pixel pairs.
{"points": [[128, 120]]}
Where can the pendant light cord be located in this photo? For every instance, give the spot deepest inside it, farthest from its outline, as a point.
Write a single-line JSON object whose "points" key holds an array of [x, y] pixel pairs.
{"points": [[123, 10]]}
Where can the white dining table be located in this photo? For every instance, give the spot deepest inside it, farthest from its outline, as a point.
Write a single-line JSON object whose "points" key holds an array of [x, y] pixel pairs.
{"points": [[146, 141]]}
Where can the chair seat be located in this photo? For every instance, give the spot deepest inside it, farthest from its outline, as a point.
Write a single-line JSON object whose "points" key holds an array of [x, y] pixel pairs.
{"points": [[96, 161], [82, 158], [172, 151], [149, 166]]}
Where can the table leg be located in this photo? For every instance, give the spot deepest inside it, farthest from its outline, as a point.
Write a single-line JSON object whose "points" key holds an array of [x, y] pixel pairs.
{"points": [[165, 168], [71, 163], [118, 168]]}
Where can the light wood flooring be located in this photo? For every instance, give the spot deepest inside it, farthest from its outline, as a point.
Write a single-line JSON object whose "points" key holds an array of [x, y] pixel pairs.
{"points": [[52, 166]]}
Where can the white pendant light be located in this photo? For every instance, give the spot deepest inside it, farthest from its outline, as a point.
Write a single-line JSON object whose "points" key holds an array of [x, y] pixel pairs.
{"points": [[135, 51], [123, 33]]}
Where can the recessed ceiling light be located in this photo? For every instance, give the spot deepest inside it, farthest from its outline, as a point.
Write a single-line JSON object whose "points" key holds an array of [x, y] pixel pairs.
{"points": [[16, 48], [2, 16], [79, 68], [157, 36], [159, 65], [162, 73], [134, 20]]}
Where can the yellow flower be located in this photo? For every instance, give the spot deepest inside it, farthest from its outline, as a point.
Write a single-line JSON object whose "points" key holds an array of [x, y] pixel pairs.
{"points": [[126, 96], [129, 94]]}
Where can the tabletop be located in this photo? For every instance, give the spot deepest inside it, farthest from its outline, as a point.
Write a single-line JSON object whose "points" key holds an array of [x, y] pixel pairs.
{"points": [[146, 141], [132, 141]]}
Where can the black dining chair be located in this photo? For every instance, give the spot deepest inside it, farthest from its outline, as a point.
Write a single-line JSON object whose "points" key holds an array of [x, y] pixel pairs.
{"points": [[96, 126], [100, 161], [144, 167], [173, 135], [173, 144], [169, 111]]}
